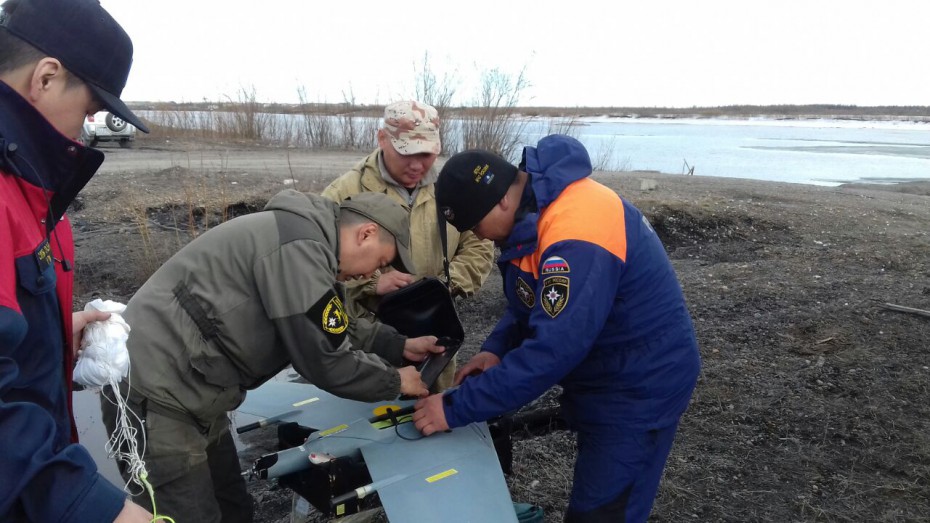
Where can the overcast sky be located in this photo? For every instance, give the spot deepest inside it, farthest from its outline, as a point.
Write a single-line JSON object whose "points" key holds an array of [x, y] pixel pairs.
{"points": [[676, 53]]}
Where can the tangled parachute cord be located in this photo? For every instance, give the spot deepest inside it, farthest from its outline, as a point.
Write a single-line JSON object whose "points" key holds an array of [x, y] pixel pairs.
{"points": [[104, 361]]}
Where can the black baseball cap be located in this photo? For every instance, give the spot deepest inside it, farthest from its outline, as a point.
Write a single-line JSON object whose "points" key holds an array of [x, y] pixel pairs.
{"points": [[470, 184], [84, 37]]}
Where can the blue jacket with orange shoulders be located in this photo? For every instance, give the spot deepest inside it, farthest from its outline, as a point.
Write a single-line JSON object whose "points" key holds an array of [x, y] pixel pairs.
{"points": [[593, 304]]}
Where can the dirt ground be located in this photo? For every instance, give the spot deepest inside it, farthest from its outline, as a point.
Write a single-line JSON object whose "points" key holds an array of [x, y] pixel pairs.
{"points": [[814, 399]]}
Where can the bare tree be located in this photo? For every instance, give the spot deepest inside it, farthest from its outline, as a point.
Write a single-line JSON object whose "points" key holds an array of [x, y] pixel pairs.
{"points": [[349, 131], [563, 125], [493, 123], [317, 129], [436, 92], [247, 118]]}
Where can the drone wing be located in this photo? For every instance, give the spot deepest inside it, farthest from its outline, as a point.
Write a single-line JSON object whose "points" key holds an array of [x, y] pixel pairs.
{"points": [[451, 476], [308, 405]]}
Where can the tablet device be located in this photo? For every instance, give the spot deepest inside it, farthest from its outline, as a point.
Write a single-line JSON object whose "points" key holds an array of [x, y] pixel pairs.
{"points": [[425, 308]]}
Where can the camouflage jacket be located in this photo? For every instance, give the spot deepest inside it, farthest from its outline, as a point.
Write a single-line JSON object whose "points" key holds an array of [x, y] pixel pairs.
{"points": [[244, 300]]}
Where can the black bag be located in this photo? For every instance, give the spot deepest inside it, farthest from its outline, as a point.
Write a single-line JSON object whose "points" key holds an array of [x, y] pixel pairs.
{"points": [[425, 308]]}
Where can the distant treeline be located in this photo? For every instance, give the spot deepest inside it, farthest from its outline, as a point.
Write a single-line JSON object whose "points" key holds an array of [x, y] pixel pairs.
{"points": [[790, 111], [910, 112]]}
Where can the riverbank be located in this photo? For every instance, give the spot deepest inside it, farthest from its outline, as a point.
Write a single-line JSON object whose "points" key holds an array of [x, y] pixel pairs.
{"points": [[833, 111]]}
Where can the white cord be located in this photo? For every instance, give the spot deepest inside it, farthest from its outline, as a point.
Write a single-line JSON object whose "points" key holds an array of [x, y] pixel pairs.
{"points": [[104, 360], [123, 444]]}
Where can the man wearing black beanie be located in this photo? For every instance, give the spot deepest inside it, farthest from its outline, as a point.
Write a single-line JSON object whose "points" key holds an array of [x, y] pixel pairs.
{"points": [[593, 305]]}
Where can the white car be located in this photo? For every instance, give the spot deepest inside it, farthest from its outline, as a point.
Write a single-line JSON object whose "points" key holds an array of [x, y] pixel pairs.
{"points": [[107, 127]]}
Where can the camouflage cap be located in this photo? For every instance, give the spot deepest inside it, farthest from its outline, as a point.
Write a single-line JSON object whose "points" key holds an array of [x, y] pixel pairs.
{"points": [[389, 214], [413, 127]]}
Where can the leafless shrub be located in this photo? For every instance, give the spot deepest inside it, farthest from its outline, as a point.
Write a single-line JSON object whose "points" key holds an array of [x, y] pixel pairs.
{"points": [[244, 118], [605, 159], [247, 118], [436, 92], [357, 130], [317, 128], [171, 121], [563, 125], [493, 122], [347, 128]]}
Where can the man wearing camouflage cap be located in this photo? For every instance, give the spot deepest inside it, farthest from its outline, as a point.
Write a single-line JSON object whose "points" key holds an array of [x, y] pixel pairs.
{"points": [[402, 167]]}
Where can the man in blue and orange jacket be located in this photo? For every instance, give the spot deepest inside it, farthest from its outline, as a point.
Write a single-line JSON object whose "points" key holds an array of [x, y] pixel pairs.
{"points": [[59, 61], [593, 305]]}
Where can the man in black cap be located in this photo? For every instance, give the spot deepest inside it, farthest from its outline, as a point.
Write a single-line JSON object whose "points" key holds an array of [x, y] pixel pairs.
{"points": [[60, 60], [593, 305]]}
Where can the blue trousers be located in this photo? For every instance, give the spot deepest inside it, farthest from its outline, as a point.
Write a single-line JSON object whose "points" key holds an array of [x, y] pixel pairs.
{"points": [[617, 474]]}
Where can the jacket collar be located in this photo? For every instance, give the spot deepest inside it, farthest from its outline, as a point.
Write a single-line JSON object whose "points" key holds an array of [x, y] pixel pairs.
{"points": [[372, 179], [427, 180], [34, 151], [556, 162], [523, 238]]}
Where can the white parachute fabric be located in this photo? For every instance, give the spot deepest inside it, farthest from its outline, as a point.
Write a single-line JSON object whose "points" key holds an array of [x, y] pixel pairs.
{"points": [[103, 358]]}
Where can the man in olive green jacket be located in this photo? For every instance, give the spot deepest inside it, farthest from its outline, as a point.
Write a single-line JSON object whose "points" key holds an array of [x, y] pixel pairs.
{"points": [[236, 306], [402, 168]]}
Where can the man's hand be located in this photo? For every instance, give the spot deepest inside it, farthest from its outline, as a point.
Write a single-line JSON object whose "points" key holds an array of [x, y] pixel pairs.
{"points": [[79, 320], [393, 280], [410, 382], [476, 365], [133, 513], [417, 349], [429, 416]]}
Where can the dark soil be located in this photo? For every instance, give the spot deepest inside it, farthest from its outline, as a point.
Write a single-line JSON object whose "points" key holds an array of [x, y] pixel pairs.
{"points": [[814, 400]]}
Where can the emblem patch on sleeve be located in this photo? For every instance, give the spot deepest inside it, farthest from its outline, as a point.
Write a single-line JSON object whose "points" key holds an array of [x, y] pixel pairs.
{"points": [[335, 320], [555, 265], [554, 295], [525, 293], [329, 315]]}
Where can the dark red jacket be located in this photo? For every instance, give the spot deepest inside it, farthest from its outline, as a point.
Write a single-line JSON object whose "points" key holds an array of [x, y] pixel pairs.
{"points": [[46, 475]]}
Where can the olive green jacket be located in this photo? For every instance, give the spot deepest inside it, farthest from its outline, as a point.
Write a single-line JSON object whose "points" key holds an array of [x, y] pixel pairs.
{"points": [[246, 299], [470, 259]]}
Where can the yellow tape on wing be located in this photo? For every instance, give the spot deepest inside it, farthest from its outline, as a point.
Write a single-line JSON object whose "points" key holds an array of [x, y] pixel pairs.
{"points": [[338, 428], [386, 423], [306, 401], [442, 475]]}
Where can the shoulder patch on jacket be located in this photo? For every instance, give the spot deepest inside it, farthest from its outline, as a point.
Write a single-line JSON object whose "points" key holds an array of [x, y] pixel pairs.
{"points": [[525, 293], [554, 295], [330, 314], [555, 264]]}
